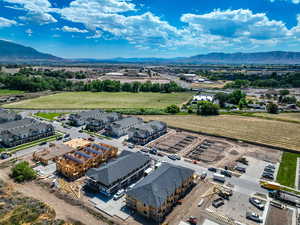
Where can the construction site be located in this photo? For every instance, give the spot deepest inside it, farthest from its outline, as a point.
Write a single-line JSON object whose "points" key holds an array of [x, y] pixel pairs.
{"points": [[175, 142], [75, 164], [208, 151]]}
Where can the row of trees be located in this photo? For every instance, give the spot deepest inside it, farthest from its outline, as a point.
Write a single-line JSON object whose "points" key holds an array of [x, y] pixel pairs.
{"points": [[34, 83]]}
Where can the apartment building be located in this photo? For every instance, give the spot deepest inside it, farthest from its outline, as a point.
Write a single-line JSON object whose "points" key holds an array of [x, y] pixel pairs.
{"points": [[145, 132], [7, 116], [155, 195], [18, 132], [120, 173], [121, 127]]}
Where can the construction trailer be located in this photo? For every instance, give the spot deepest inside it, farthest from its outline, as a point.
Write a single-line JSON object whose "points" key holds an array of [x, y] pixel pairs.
{"points": [[76, 164]]}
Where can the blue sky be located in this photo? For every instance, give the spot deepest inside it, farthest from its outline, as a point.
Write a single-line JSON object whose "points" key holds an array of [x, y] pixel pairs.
{"points": [[151, 28]]}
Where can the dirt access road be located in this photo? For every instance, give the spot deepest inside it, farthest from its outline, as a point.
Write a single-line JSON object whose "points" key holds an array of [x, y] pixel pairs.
{"points": [[63, 210]]}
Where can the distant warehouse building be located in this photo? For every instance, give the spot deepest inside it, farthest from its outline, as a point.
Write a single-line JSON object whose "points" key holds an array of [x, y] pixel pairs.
{"points": [[22, 131], [155, 195], [121, 127], [146, 132], [94, 120], [7, 116], [75, 164], [122, 172]]}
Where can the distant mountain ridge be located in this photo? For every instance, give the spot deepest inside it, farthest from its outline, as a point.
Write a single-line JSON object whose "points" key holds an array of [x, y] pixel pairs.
{"points": [[12, 52], [15, 53]]}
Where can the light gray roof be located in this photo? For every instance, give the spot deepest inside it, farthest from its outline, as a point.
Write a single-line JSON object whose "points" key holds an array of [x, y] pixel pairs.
{"points": [[146, 129], [126, 122], [118, 168], [154, 189], [6, 115]]}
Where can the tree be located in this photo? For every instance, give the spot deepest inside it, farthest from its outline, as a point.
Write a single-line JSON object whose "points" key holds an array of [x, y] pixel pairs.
{"points": [[236, 96], [172, 109], [272, 108], [206, 108], [222, 98], [284, 92], [22, 172]]}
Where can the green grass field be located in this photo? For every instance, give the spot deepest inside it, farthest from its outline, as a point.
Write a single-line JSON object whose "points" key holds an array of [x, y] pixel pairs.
{"points": [[287, 170], [104, 100], [4, 92], [265, 131], [48, 116]]}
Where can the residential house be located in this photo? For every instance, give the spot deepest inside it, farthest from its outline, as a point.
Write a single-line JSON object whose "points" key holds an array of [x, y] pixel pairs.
{"points": [[146, 132], [128, 168], [155, 195], [22, 131], [121, 127]]}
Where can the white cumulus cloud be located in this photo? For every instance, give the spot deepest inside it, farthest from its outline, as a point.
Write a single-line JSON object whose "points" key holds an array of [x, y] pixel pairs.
{"points": [[73, 29], [6, 22]]}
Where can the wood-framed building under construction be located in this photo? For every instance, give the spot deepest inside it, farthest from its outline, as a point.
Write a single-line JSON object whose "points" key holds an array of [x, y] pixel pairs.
{"points": [[76, 164]]}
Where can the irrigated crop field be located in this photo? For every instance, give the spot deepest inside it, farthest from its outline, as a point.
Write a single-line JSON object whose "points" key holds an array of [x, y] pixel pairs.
{"points": [[105, 100], [271, 132]]}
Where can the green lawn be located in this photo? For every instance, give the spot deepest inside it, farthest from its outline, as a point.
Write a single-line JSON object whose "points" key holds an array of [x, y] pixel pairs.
{"points": [[104, 100], [287, 170], [48, 116], [4, 92]]}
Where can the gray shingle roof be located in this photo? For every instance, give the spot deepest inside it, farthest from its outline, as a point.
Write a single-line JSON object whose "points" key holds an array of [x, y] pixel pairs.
{"points": [[6, 115], [146, 129], [126, 122], [154, 189], [118, 168]]}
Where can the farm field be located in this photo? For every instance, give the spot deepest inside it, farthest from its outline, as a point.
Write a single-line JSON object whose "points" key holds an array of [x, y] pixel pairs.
{"points": [[4, 92], [271, 132], [104, 100], [292, 117]]}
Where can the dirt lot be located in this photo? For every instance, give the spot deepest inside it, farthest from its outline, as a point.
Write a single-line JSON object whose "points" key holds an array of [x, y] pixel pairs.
{"points": [[278, 216], [63, 209]]}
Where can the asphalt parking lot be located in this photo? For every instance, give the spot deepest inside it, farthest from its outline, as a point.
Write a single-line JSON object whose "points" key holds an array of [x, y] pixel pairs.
{"points": [[237, 207]]}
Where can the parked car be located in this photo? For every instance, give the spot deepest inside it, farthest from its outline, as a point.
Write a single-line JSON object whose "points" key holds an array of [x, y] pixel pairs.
{"points": [[67, 135], [119, 194], [177, 157], [268, 176], [226, 173], [257, 203], [153, 151], [59, 138], [145, 150], [218, 202], [43, 143], [240, 169], [67, 139], [172, 157], [269, 170], [270, 166], [160, 154], [254, 217], [203, 175], [5, 155], [212, 169], [91, 139]]}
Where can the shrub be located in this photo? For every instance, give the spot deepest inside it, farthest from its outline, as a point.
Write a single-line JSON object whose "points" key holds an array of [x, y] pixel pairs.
{"points": [[173, 109], [22, 172], [206, 108], [272, 108]]}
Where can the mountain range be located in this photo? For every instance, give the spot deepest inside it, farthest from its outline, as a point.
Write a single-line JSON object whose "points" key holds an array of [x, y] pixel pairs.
{"points": [[15, 53]]}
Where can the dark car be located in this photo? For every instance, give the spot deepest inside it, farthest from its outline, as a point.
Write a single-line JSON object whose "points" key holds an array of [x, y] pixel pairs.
{"points": [[240, 169], [5, 155], [91, 139], [212, 169], [67, 135], [271, 166], [218, 202], [257, 203], [173, 157], [153, 151], [226, 173], [59, 138], [43, 143], [268, 176], [269, 170]]}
